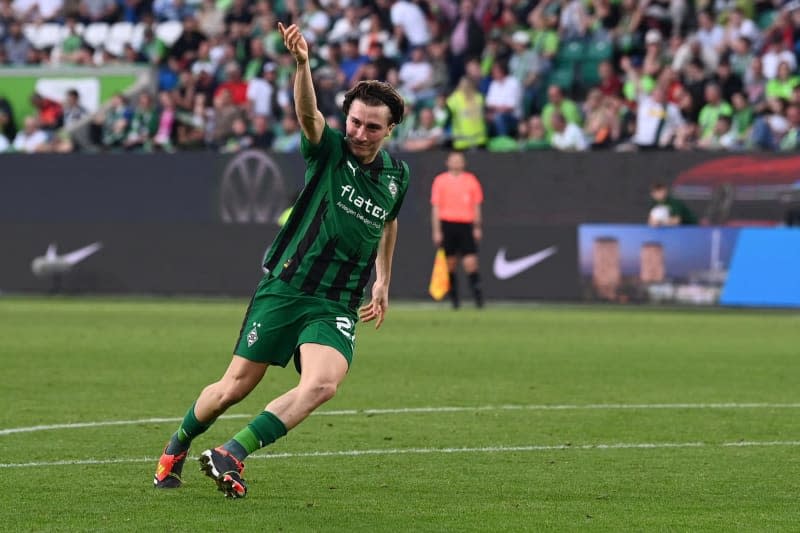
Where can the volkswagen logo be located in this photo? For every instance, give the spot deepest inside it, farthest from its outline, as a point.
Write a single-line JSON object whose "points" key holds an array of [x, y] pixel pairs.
{"points": [[252, 189]]}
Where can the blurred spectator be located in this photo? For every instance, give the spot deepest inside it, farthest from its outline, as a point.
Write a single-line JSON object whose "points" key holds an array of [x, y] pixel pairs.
{"points": [[666, 210], [239, 12], [238, 139], [416, 77], [410, 24], [152, 48], [262, 92], [345, 26], [777, 52], [114, 122], [503, 102], [527, 67], [769, 128], [8, 125], [558, 103], [376, 34], [5, 145], [262, 133], [466, 38], [256, 60], [314, 22], [426, 135], [351, 60], [657, 120], [37, 11], [782, 85], [533, 135], [49, 113], [73, 110], [190, 129], [166, 130], [31, 138], [609, 84], [790, 141], [210, 19], [234, 84], [723, 136], [714, 107], [186, 47], [755, 84], [567, 136], [743, 116], [728, 81], [383, 64], [573, 21], [287, 138], [169, 74], [468, 125], [224, 113], [16, 46], [709, 34], [143, 125]]}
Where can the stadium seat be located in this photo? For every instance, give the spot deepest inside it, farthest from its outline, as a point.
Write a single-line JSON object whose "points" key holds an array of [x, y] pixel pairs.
{"points": [[121, 32], [563, 76], [137, 35], [48, 35], [95, 34], [570, 53], [766, 19], [169, 31], [588, 72], [599, 51]]}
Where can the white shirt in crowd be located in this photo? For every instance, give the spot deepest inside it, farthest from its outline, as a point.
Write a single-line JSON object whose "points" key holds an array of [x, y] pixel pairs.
{"points": [[415, 76], [571, 139], [259, 93], [506, 93], [412, 20], [4, 144], [28, 143], [649, 115]]}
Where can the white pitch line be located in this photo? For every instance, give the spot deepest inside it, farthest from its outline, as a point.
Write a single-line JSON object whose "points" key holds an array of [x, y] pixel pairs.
{"points": [[419, 451], [424, 410]]}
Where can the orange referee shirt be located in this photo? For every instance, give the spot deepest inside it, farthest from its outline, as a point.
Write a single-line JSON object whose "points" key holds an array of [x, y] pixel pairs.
{"points": [[456, 196]]}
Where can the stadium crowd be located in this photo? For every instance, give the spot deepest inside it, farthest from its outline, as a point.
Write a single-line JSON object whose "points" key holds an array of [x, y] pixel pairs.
{"points": [[502, 75]]}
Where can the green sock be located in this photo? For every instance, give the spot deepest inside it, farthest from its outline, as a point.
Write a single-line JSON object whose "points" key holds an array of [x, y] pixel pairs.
{"points": [[190, 428], [265, 429]]}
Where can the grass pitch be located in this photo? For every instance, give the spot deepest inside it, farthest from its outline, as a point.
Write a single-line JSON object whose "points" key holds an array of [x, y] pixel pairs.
{"points": [[510, 419]]}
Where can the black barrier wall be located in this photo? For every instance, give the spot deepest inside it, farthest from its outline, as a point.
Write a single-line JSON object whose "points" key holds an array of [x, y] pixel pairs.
{"points": [[199, 223]]}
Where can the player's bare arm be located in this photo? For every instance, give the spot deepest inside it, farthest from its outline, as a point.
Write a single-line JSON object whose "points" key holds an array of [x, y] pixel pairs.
{"points": [[379, 303], [436, 226], [305, 100]]}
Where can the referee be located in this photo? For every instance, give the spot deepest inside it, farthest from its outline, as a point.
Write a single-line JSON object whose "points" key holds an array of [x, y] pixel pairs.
{"points": [[456, 197]]}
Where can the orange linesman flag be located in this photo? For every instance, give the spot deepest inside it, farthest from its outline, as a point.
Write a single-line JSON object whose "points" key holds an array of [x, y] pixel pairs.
{"points": [[440, 278]]}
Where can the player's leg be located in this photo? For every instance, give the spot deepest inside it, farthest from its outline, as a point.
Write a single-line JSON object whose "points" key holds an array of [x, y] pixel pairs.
{"points": [[239, 379], [323, 369]]}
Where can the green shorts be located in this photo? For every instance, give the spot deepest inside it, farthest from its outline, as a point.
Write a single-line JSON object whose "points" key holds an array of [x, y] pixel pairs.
{"points": [[280, 318]]}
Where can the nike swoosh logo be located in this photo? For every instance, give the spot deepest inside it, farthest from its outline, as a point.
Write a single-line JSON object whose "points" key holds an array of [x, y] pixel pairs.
{"points": [[505, 269]]}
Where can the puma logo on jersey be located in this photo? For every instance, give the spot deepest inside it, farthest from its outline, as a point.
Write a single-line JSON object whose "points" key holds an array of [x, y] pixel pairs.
{"points": [[365, 204], [352, 167]]}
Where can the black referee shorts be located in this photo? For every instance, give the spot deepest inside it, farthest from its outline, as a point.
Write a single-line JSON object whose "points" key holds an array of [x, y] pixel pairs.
{"points": [[457, 238]]}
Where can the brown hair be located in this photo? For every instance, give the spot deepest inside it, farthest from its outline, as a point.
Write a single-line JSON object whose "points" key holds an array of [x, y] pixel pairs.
{"points": [[376, 93]]}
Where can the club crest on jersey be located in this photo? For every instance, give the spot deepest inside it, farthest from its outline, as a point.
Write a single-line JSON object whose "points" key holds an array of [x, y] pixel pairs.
{"points": [[352, 167], [252, 337], [393, 189]]}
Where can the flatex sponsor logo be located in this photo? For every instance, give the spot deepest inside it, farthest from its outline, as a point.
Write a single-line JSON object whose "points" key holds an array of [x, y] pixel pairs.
{"points": [[252, 189], [505, 268]]}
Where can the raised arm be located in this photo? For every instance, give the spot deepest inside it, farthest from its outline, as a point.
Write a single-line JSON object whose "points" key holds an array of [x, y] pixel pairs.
{"points": [[305, 100], [376, 308]]}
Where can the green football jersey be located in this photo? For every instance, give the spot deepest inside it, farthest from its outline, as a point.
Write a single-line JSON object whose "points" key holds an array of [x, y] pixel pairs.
{"points": [[329, 243]]}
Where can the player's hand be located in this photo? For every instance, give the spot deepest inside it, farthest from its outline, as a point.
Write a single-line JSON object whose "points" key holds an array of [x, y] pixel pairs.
{"points": [[376, 308], [294, 42]]}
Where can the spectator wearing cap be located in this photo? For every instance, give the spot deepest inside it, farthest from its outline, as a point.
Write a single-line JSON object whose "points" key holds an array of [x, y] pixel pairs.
{"points": [[262, 92], [410, 25], [715, 107], [527, 67]]}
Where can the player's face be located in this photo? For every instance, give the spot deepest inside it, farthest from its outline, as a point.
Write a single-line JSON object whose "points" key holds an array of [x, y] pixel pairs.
{"points": [[367, 127]]}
